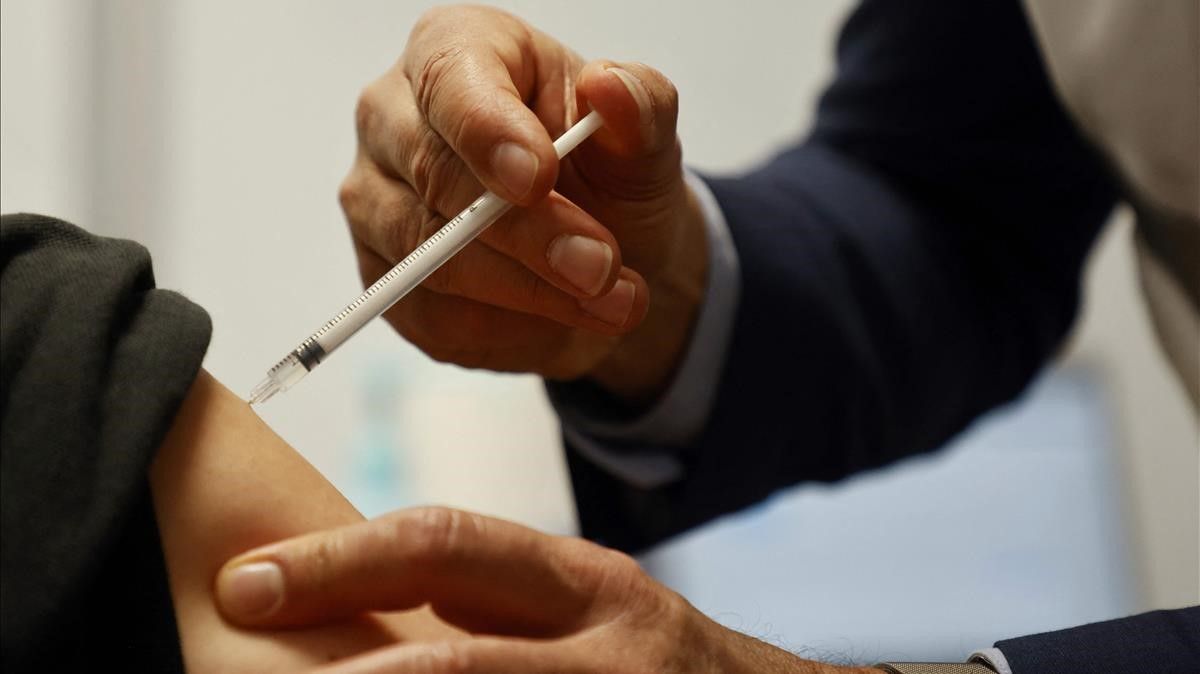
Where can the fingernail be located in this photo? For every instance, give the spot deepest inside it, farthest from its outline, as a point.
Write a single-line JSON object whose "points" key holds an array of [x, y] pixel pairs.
{"points": [[639, 93], [515, 166], [584, 262], [252, 590], [614, 307]]}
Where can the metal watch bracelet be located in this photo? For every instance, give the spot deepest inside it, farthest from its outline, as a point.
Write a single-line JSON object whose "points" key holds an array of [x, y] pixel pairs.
{"points": [[935, 668]]}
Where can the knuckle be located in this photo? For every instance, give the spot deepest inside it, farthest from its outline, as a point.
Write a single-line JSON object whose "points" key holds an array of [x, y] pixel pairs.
{"points": [[450, 658], [474, 116], [619, 576], [442, 533], [349, 196], [621, 565], [320, 563], [398, 227], [674, 624], [668, 94], [670, 609], [429, 223], [431, 76], [426, 527], [427, 19], [671, 94], [391, 218], [433, 16], [604, 572], [387, 230], [366, 109], [433, 166]]}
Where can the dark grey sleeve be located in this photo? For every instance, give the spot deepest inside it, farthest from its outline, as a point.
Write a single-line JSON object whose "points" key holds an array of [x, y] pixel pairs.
{"points": [[94, 363]]}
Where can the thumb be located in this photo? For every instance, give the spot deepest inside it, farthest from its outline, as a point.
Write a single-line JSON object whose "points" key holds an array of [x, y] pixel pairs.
{"points": [[629, 175], [640, 106], [479, 573]]}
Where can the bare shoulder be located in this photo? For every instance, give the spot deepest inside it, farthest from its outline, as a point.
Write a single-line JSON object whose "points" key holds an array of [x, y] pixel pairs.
{"points": [[218, 446], [223, 483]]}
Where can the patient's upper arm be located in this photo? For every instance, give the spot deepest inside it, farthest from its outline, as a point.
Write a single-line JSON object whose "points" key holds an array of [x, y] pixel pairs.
{"points": [[223, 483]]}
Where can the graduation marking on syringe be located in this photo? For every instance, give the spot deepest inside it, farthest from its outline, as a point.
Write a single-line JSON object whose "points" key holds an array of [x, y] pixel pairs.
{"points": [[410, 272]]}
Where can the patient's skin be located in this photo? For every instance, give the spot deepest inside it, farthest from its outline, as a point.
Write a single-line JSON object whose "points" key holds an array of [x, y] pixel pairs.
{"points": [[223, 483]]}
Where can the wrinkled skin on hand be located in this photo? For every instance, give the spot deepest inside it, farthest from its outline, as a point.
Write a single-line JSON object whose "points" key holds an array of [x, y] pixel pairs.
{"points": [[533, 602], [598, 273]]}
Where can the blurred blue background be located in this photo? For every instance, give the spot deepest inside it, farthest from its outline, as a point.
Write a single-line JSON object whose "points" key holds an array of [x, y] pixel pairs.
{"points": [[1017, 527]]}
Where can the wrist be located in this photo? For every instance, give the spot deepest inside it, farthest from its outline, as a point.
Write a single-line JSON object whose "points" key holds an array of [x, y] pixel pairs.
{"points": [[642, 364], [740, 653]]}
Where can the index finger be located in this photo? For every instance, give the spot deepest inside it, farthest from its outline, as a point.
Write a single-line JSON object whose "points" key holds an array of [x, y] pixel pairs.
{"points": [[471, 70], [480, 573]]}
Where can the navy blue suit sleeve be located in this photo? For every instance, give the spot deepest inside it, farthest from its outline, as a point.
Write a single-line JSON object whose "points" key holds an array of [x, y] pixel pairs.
{"points": [[1164, 642], [909, 266]]}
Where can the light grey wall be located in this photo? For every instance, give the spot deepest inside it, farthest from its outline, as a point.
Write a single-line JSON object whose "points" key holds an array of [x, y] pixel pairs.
{"points": [[1156, 426], [217, 132]]}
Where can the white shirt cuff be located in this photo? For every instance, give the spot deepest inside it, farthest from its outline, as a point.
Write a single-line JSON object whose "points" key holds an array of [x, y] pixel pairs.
{"points": [[994, 658]]}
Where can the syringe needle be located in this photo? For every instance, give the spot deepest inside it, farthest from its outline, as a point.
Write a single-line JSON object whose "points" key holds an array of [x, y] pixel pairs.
{"points": [[401, 279]]}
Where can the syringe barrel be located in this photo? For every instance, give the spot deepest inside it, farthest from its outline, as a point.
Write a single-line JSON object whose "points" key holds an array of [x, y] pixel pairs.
{"points": [[401, 279], [412, 271]]}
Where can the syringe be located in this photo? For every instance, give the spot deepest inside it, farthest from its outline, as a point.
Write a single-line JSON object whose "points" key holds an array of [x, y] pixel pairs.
{"points": [[408, 274]]}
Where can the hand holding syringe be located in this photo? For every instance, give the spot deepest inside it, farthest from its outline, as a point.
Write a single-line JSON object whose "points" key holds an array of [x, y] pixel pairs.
{"points": [[402, 278]]}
